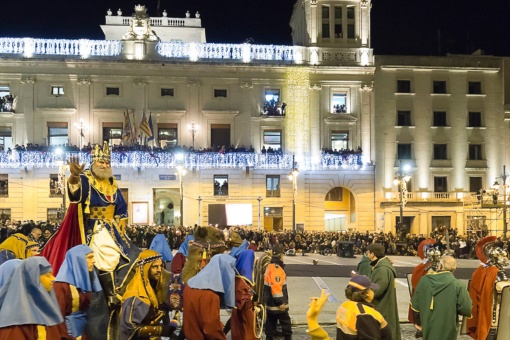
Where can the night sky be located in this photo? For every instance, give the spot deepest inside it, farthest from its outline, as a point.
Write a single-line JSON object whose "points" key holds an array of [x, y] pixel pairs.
{"points": [[405, 27]]}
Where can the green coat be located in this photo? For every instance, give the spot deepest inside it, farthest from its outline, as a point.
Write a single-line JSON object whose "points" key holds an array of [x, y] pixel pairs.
{"points": [[440, 298], [364, 267], [385, 298]]}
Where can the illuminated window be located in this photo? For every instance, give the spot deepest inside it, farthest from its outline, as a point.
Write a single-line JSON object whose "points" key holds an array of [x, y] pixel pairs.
{"points": [[339, 140], [6, 99], [439, 118], [272, 186], [272, 139], [440, 151], [403, 118], [339, 102], [54, 188], [5, 138], [57, 90], [404, 151], [57, 133], [167, 134], [273, 105], [112, 133], [220, 185]]}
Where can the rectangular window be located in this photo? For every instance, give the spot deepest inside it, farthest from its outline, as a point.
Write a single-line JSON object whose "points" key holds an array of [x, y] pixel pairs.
{"points": [[273, 105], [350, 31], [404, 151], [325, 31], [403, 118], [54, 186], [339, 140], [338, 22], [5, 138], [439, 86], [57, 90], [475, 184], [403, 86], [220, 135], [112, 133], [325, 12], [167, 134], [475, 152], [440, 151], [272, 186], [440, 184], [474, 87], [220, 185], [6, 99], [350, 12], [167, 92], [220, 93], [4, 185], [112, 91], [339, 102], [474, 119], [57, 133], [439, 118], [272, 140]]}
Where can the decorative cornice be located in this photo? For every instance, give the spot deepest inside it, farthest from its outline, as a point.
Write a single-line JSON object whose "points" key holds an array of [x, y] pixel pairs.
{"points": [[246, 85], [313, 2], [193, 83], [84, 81], [316, 87], [139, 82], [364, 3], [27, 80], [367, 87]]}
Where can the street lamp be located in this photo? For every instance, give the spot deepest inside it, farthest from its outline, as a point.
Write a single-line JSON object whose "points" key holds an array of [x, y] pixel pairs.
{"points": [[260, 200], [82, 127], [401, 180], [182, 172], [193, 129], [293, 177], [496, 186]]}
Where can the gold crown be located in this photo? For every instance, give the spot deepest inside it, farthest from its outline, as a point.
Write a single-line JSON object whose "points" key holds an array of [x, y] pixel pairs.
{"points": [[102, 155]]}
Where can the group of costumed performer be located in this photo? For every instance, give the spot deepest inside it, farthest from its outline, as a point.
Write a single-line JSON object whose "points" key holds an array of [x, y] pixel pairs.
{"points": [[487, 282], [97, 216]]}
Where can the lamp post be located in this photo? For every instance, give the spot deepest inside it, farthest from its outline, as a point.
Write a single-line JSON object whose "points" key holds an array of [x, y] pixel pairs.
{"points": [[199, 201], [293, 177], [401, 180], [82, 127], [503, 176], [193, 129], [259, 199], [182, 172]]}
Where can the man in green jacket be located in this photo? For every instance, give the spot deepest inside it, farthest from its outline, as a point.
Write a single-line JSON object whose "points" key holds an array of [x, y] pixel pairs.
{"points": [[438, 300], [385, 298]]}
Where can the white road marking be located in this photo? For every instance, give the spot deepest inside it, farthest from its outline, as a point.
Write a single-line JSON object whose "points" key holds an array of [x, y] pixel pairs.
{"points": [[402, 282], [323, 285], [409, 263]]}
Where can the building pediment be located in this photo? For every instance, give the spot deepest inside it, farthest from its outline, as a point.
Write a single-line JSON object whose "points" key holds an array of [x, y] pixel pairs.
{"points": [[341, 119]]}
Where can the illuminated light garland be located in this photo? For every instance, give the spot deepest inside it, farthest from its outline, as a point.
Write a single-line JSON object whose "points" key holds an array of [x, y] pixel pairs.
{"points": [[81, 47], [167, 160], [297, 118]]}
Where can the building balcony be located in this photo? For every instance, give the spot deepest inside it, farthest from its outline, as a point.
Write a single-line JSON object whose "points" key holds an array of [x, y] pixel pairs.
{"points": [[162, 159], [428, 197]]}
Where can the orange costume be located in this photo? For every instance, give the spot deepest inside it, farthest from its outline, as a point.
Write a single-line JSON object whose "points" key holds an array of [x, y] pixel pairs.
{"points": [[419, 271]]}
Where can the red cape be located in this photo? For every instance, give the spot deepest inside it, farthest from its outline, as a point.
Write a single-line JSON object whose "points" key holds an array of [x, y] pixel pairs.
{"points": [[68, 235]]}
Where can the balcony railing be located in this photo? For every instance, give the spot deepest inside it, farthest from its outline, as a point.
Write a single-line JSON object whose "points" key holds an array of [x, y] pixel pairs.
{"points": [[166, 160], [429, 196], [81, 47]]}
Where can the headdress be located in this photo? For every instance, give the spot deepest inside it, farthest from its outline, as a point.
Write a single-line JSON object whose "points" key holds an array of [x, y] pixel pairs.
{"points": [[30, 245], [101, 154], [16, 243], [75, 270], [140, 286], [424, 246], [483, 248], [160, 244]]}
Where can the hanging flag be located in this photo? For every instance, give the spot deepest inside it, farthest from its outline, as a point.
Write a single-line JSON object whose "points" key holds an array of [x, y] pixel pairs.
{"points": [[126, 130], [151, 137], [144, 126]]}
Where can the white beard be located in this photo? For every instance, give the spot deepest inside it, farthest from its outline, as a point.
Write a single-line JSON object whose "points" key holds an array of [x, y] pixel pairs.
{"points": [[101, 173]]}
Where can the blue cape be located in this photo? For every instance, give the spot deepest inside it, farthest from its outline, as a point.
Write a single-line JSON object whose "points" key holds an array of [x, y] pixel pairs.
{"points": [[6, 270], [184, 246], [218, 275], [23, 298], [244, 264], [160, 244], [237, 250], [75, 271]]}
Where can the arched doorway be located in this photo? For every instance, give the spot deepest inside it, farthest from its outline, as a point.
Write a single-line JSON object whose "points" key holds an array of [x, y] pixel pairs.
{"points": [[166, 207], [339, 210]]}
